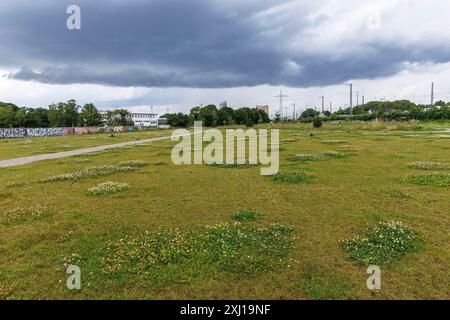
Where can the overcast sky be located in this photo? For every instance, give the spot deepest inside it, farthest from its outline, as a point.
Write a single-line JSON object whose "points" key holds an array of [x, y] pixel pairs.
{"points": [[179, 53]]}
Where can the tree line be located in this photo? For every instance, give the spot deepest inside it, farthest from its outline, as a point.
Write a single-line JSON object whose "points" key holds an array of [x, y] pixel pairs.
{"points": [[400, 110], [59, 115], [211, 116]]}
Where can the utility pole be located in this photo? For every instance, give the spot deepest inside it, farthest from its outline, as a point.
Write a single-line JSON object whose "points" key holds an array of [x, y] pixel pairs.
{"points": [[432, 94], [351, 97], [323, 103], [281, 96]]}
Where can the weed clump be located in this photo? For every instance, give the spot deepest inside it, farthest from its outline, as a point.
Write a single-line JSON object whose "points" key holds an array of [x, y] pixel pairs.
{"points": [[429, 166], [246, 215], [19, 215], [292, 177], [383, 244], [431, 179], [304, 157], [107, 188], [334, 142], [97, 171], [221, 248]]}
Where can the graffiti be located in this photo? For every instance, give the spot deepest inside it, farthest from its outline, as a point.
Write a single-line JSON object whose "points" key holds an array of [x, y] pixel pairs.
{"points": [[52, 132]]}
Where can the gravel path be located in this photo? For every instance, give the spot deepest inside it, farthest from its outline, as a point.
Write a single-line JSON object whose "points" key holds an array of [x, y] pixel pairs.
{"points": [[58, 155]]}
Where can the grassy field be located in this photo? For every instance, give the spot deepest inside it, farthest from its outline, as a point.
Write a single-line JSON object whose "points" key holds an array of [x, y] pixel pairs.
{"points": [[144, 235], [15, 148]]}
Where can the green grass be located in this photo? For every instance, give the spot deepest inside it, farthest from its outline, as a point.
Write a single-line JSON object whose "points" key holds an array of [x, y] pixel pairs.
{"points": [[431, 179], [16, 148], [107, 188], [20, 215], [322, 283], [292, 177], [97, 171], [246, 215], [214, 250], [383, 244], [345, 197]]}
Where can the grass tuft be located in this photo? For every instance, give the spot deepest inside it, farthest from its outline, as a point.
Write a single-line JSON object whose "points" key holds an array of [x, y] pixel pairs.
{"points": [[383, 244], [431, 179], [107, 188], [246, 215], [429, 166], [292, 177], [19, 215], [97, 171], [334, 142]]}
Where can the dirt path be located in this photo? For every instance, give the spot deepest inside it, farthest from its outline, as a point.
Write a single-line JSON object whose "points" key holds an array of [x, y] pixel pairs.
{"points": [[65, 154]]}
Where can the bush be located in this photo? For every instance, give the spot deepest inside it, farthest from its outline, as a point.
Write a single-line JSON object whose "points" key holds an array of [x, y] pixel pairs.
{"points": [[383, 244], [317, 123]]}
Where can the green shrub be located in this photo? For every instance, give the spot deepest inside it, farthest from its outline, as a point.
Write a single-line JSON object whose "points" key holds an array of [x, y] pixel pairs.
{"points": [[383, 244], [431, 179], [317, 123], [246, 215], [107, 188], [292, 177]]}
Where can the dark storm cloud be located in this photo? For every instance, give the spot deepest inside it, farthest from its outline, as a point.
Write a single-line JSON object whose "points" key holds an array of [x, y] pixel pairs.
{"points": [[167, 43]]}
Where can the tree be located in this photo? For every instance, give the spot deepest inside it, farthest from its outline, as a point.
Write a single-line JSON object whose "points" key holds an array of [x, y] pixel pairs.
{"points": [[208, 115], [177, 120], [195, 113], [119, 118], [20, 118], [225, 116], [64, 114], [241, 116], [6, 116], [310, 113], [90, 117]]}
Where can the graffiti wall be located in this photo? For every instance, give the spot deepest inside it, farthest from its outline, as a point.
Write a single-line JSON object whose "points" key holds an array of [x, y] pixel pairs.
{"points": [[51, 132]]}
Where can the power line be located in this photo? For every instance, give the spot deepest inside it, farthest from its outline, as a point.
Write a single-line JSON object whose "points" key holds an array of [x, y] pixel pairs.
{"points": [[281, 96]]}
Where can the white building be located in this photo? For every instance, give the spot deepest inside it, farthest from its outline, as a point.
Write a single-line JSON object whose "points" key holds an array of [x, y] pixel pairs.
{"points": [[144, 120]]}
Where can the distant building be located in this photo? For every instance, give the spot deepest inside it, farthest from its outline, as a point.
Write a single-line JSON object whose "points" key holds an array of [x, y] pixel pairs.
{"points": [[223, 104], [144, 120], [264, 108]]}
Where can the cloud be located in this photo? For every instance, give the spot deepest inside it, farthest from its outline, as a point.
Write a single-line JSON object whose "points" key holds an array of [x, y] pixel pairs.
{"points": [[220, 44]]}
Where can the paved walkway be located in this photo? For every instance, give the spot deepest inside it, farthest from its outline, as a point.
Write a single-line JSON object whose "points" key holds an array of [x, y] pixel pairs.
{"points": [[58, 155]]}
